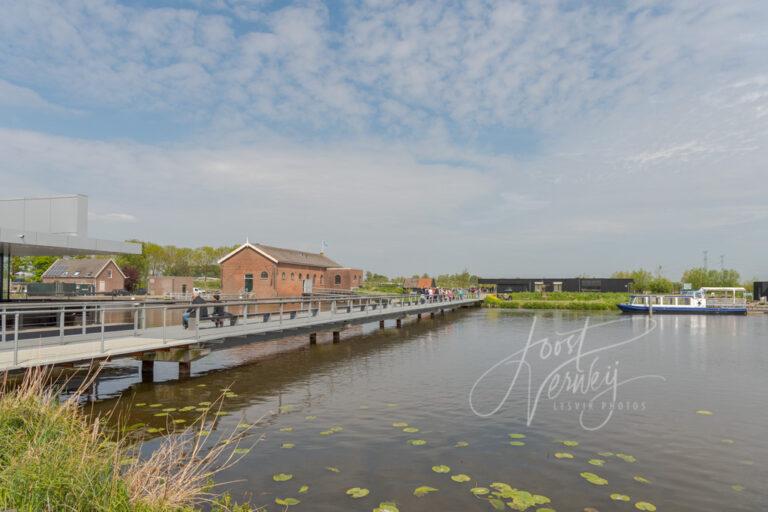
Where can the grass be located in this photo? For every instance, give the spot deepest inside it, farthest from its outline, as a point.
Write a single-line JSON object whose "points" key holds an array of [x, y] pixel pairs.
{"points": [[585, 301], [53, 457], [383, 288]]}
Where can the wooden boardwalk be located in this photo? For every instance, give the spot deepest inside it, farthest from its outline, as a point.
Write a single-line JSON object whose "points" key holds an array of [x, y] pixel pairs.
{"points": [[166, 342]]}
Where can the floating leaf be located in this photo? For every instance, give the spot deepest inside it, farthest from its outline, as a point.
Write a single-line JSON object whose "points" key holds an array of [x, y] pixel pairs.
{"points": [[179, 421], [310, 418], [540, 500], [244, 425], [517, 436], [204, 404], [410, 430], [417, 442], [169, 409], [641, 479], [187, 408], [202, 385], [546, 509], [387, 506], [596, 462], [326, 433], [161, 414], [287, 502], [517, 443], [497, 504], [285, 408], [140, 404], [605, 454], [333, 469], [241, 451], [230, 395], [737, 487], [461, 477], [282, 477], [303, 489], [441, 469], [704, 412], [593, 478], [521, 500], [286, 429], [201, 409], [135, 426], [570, 443], [423, 491], [727, 441], [391, 405], [620, 497], [461, 444], [287, 445], [357, 492], [644, 505], [336, 429], [204, 433], [155, 405], [563, 455], [154, 430], [479, 491], [626, 458], [399, 424]]}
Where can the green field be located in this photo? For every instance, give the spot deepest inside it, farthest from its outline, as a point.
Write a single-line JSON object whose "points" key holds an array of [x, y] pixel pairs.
{"points": [[589, 301]]}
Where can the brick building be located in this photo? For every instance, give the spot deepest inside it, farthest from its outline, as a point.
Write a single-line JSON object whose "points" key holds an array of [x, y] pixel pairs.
{"points": [[102, 273], [170, 285], [262, 271]]}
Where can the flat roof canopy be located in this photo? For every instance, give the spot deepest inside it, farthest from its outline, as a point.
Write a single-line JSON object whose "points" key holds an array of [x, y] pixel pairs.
{"points": [[31, 243]]}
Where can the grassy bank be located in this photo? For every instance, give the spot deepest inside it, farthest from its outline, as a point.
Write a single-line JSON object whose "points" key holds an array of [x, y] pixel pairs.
{"points": [[585, 301], [54, 458]]}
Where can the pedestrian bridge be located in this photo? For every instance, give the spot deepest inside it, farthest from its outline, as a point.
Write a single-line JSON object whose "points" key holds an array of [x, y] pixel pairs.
{"points": [[68, 334]]}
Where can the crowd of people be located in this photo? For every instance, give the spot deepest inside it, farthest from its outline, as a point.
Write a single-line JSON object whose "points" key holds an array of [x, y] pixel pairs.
{"points": [[442, 294]]}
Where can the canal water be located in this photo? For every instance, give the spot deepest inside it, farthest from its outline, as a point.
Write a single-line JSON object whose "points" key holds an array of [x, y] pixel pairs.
{"points": [[601, 412]]}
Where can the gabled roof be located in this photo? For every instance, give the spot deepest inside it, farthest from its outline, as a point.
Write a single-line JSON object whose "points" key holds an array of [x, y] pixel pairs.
{"points": [[83, 268], [289, 256]]}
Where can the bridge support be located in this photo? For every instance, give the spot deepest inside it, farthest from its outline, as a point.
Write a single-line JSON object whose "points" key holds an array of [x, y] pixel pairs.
{"points": [[399, 323], [147, 370], [442, 312], [418, 317], [185, 369], [313, 338], [381, 324], [336, 336], [432, 314]]}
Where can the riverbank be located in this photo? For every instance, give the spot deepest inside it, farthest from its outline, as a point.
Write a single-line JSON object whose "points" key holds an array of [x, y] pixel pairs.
{"points": [[53, 457], [584, 301]]}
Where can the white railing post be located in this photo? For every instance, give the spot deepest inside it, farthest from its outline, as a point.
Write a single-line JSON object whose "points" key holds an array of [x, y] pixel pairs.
{"points": [[281, 313], [245, 314], [165, 321], [2, 327], [103, 319], [135, 320], [61, 325], [197, 323], [15, 339], [84, 319]]}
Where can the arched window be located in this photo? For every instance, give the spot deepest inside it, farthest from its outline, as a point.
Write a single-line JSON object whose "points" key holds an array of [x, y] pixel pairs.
{"points": [[283, 276], [337, 279], [314, 278], [293, 276], [264, 275], [299, 276]]}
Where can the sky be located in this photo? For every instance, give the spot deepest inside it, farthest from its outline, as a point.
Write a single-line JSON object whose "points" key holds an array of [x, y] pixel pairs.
{"points": [[519, 138]]}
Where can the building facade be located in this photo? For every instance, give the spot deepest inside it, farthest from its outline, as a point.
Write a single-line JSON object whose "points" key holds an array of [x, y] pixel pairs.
{"points": [[101, 273], [170, 285], [574, 284], [262, 271]]}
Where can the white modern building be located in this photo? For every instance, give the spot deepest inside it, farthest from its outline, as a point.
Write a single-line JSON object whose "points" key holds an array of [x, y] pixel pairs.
{"points": [[49, 226]]}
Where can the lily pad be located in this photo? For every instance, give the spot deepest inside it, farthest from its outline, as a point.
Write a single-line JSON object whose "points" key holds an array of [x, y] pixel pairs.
{"points": [[570, 443], [221, 413], [154, 430], [605, 454], [641, 479], [417, 442], [336, 429], [286, 429], [596, 462], [282, 477], [593, 478], [461, 477], [169, 409], [287, 502], [704, 412], [399, 424], [287, 445], [545, 509], [620, 497], [241, 451], [479, 491], [179, 421], [387, 506], [423, 491], [333, 469], [303, 489], [155, 405], [326, 433], [187, 408], [563, 455], [517, 443], [461, 444], [285, 408], [358, 492], [204, 404], [140, 404], [310, 417], [441, 469], [727, 441], [410, 430], [160, 414], [646, 506], [737, 487], [626, 458], [517, 436], [497, 504]]}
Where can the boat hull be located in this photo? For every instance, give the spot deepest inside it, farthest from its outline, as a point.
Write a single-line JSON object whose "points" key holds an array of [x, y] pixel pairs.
{"points": [[636, 308]]}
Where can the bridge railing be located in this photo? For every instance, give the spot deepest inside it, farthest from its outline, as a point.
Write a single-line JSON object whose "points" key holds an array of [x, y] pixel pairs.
{"points": [[45, 325]]}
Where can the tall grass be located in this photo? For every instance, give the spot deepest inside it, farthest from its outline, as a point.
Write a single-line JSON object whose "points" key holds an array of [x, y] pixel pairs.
{"points": [[586, 301], [54, 458]]}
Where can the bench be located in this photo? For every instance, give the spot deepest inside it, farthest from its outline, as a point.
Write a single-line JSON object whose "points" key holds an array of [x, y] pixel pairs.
{"points": [[218, 315]]}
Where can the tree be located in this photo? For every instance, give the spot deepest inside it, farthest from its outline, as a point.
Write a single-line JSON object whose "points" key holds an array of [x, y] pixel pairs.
{"points": [[700, 277], [132, 277], [37, 265], [641, 279]]}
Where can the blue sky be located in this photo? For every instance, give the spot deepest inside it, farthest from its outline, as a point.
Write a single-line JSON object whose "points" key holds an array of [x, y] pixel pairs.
{"points": [[510, 138]]}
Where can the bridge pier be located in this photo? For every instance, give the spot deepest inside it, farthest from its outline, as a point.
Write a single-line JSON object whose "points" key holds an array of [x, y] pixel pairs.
{"points": [[442, 312], [418, 317], [147, 370], [399, 323], [432, 314], [336, 336], [313, 338], [185, 369], [381, 324]]}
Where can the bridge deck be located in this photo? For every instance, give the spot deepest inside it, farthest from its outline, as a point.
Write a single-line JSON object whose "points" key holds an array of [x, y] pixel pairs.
{"points": [[22, 351]]}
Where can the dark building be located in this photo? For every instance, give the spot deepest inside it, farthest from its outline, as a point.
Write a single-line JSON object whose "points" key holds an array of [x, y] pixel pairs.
{"points": [[574, 284], [760, 290]]}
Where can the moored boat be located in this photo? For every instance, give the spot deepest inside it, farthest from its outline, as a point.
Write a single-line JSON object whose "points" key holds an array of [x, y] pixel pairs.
{"points": [[705, 301]]}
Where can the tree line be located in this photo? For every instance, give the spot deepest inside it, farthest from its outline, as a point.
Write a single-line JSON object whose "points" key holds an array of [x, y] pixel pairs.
{"points": [[645, 281]]}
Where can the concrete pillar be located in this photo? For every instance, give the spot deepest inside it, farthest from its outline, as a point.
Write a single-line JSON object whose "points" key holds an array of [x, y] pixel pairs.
{"points": [[399, 323], [313, 338], [185, 369], [147, 371], [442, 312], [381, 324], [432, 314], [336, 336], [418, 317]]}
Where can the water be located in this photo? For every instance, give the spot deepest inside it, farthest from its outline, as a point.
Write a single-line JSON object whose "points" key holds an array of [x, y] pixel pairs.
{"points": [[422, 375]]}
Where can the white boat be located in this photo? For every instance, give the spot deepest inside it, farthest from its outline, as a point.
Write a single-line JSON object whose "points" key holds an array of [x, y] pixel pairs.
{"points": [[705, 301]]}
